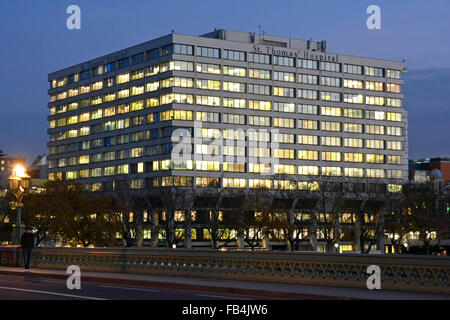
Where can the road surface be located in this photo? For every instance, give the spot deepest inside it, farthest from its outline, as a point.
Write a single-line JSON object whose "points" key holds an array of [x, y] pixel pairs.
{"points": [[26, 288]]}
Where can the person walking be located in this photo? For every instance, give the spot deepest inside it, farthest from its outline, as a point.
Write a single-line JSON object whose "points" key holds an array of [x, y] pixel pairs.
{"points": [[27, 243]]}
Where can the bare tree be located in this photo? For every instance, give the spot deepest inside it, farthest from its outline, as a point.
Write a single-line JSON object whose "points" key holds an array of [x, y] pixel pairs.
{"points": [[427, 210], [328, 193]]}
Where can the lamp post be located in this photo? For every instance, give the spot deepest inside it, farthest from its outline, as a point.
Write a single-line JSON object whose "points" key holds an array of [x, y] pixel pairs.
{"points": [[19, 182]]}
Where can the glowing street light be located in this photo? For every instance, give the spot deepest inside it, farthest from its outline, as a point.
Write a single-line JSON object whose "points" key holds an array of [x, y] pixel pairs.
{"points": [[19, 183]]}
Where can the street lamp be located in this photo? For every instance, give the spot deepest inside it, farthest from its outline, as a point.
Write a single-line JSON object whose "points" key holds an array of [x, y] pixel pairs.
{"points": [[19, 182]]}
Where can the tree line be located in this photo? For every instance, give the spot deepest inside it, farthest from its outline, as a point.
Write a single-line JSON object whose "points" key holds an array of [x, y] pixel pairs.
{"points": [[326, 210]]}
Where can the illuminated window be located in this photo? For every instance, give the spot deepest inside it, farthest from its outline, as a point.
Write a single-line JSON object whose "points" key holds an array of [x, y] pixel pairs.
{"points": [[394, 160], [264, 168], [259, 74], [258, 121], [307, 124], [234, 103], [97, 114], [136, 90], [233, 86], [284, 153], [307, 139], [234, 71], [353, 127], [307, 94], [84, 117], [285, 169], [353, 84], [393, 116], [373, 129], [375, 115], [233, 167], [378, 101], [284, 107], [137, 74], [353, 157], [331, 141], [177, 98], [208, 68], [260, 184], [308, 170], [394, 145], [284, 92], [122, 78], [330, 96], [374, 86], [375, 173], [260, 105], [374, 72], [152, 70], [308, 155], [207, 165], [332, 171], [354, 172], [353, 98], [283, 122], [208, 100], [392, 87], [83, 159], [207, 116], [331, 156], [330, 126], [97, 85], [125, 93], [137, 105], [234, 183], [179, 82], [308, 109], [374, 158], [111, 96], [374, 144]]}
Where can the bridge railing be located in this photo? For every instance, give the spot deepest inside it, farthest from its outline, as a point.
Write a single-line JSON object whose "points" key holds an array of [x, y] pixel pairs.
{"points": [[398, 272]]}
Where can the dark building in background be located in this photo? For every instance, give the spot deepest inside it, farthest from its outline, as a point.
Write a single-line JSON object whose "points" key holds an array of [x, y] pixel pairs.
{"points": [[39, 168], [423, 170], [8, 162]]}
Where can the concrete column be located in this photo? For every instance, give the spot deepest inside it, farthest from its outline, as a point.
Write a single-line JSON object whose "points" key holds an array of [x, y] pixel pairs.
{"points": [[240, 241], [357, 230], [187, 230], [155, 229], [380, 235], [313, 232], [139, 227], [265, 238]]}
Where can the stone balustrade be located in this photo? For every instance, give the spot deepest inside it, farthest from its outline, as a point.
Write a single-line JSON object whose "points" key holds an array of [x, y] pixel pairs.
{"points": [[399, 272]]}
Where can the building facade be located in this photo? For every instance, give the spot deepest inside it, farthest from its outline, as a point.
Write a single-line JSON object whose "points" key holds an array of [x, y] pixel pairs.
{"points": [[246, 110], [7, 163]]}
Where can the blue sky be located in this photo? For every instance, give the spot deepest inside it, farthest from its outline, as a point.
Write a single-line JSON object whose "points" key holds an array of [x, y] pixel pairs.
{"points": [[35, 41]]}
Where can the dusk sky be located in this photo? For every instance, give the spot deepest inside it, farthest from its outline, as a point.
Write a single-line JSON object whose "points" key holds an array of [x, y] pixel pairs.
{"points": [[35, 42]]}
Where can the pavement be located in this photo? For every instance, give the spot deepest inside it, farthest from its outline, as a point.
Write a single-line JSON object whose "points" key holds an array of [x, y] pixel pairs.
{"points": [[51, 284]]}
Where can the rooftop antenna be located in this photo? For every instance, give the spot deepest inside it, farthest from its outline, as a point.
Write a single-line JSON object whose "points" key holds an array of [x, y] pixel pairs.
{"points": [[259, 31]]}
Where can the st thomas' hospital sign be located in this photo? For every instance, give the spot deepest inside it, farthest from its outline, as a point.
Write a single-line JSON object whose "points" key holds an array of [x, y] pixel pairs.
{"points": [[312, 55]]}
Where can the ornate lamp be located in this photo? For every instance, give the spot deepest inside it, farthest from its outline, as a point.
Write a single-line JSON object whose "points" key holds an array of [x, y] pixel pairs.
{"points": [[19, 183]]}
